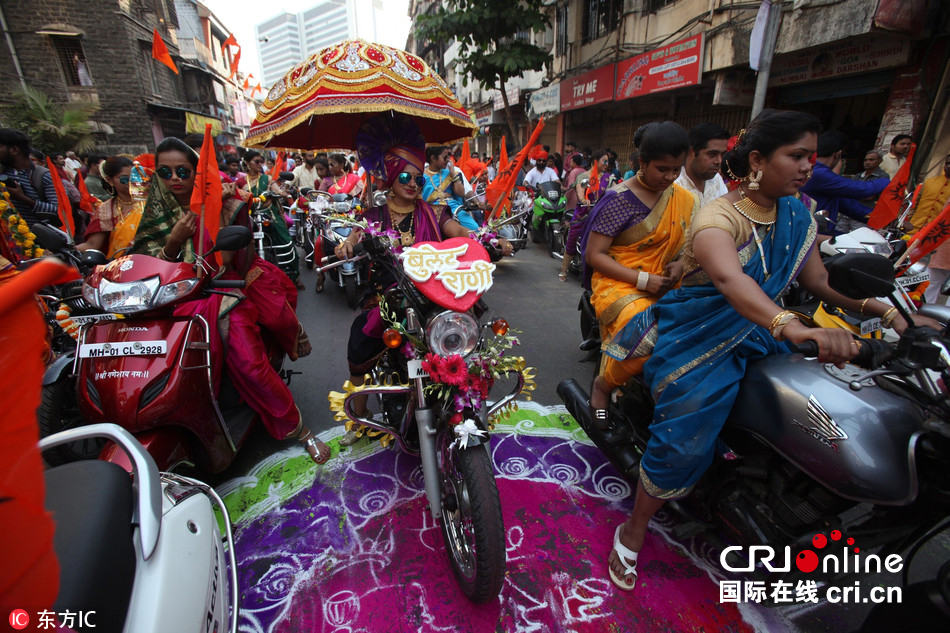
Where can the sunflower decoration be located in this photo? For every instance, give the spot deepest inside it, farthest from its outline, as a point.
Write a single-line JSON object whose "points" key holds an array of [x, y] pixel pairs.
{"points": [[15, 230]]}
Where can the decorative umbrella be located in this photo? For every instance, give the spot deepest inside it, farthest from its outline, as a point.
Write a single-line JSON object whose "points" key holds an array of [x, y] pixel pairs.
{"points": [[322, 102]]}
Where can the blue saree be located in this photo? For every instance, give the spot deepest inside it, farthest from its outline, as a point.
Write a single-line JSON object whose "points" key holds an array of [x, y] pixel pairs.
{"points": [[701, 349]]}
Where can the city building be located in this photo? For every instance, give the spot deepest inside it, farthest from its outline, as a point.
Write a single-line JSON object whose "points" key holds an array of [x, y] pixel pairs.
{"points": [[289, 38], [141, 100]]}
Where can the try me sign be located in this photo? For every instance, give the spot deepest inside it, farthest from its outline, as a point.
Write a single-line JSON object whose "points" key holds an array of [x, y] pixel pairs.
{"points": [[593, 87], [675, 66]]}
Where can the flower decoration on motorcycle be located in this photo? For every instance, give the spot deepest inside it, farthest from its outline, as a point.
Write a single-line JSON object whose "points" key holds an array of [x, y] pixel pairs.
{"points": [[14, 229]]}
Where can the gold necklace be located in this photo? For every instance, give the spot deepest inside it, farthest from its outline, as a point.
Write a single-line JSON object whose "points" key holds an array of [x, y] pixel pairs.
{"points": [[406, 238], [645, 185], [400, 209], [754, 212]]}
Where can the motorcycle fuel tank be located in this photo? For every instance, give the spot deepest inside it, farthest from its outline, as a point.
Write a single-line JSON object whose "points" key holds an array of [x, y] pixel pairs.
{"points": [[859, 444]]}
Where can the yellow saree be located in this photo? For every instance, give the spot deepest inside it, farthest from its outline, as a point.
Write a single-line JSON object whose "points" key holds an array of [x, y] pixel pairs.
{"points": [[648, 245]]}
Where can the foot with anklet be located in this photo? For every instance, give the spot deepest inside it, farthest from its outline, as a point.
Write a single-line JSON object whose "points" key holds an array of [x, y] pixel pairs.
{"points": [[622, 562]]}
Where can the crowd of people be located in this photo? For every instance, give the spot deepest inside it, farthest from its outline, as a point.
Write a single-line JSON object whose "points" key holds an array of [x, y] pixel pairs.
{"points": [[687, 255]]}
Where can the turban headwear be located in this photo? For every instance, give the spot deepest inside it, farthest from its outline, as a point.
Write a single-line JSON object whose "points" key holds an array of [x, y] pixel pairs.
{"points": [[387, 143]]}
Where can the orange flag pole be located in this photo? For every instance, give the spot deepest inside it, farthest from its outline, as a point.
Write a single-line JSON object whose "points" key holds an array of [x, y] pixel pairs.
{"points": [[505, 181], [62, 200], [206, 196]]}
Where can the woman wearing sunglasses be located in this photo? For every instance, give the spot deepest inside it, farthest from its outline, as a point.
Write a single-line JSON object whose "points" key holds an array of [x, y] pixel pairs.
{"points": [[168, 230], [115, 222], [392, 149]]}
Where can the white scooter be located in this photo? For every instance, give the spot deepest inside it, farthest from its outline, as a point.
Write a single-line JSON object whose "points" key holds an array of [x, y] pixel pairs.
{"points": [[143, 552]]}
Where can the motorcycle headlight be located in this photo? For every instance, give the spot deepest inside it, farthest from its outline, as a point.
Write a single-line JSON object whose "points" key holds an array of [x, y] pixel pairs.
{"points": [[341, 207], [547, 205], [452, 333], [125, 298], [915, 269], [173, 292]]}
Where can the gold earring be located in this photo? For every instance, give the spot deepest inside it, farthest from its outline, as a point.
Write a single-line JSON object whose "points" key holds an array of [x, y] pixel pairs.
{"points": [[754, 180]]}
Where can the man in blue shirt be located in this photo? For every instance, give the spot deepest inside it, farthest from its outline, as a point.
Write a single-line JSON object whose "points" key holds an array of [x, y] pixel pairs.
{"points": [[835, 194], [32, 205]]}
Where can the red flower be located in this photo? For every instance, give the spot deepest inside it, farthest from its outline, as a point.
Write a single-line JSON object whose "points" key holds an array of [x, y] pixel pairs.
{"points": [[453, 370], [471, 383], [455, 419], [431, 366]]}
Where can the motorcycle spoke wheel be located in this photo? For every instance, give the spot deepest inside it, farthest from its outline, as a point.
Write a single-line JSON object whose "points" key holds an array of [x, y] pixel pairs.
{"points": [[472, 525]]}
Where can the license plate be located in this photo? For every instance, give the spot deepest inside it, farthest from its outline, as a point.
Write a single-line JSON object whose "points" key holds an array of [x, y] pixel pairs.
{"points": [[93, 318], [415, 369], [258, 235], [127, 348], [871, 325], [905, 282]]}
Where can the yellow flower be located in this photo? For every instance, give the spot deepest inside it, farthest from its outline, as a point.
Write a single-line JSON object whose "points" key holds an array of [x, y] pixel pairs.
{"points": [[38, 252], [28, 244]]}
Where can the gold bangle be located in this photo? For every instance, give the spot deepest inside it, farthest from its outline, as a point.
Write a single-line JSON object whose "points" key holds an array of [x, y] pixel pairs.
{"points": [[888, 317], [775, 320], [779, 322], [863, 303]]}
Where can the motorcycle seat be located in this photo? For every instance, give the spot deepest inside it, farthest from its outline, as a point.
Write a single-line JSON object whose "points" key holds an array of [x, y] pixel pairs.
{"points": [[91, 503]]}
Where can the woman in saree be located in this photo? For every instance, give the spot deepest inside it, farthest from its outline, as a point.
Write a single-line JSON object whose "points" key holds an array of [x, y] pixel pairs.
{"points": [[635, 235], [259, 183], [169, 230], [392, 149], [742, 251], [115, 222], [343, 180]]}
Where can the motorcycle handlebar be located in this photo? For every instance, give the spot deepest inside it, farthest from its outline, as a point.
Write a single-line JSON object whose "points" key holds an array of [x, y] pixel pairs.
{"points": [[872, 351], [358, 249], [227, 283]]}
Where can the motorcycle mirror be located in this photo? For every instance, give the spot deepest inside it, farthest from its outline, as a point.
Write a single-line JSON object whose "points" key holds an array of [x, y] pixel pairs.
{"points": [[92, 257], [232, 238], [49, 238], [305, 191], [287, 175], [379, 198], [861, 275], [585, 183]]}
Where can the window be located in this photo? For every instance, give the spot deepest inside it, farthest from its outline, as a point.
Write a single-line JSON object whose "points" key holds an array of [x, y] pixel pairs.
{"points": [[149, 66], [560, 37], [652, 6], [72, 59], [600, 18]]}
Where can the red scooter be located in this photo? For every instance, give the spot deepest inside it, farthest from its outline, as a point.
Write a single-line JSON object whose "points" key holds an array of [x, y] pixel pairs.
{"points": [[151, 372]]}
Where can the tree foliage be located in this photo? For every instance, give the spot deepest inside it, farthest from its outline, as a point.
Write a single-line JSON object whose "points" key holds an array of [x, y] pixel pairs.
{"points": [[490, 49], [51, 127]]}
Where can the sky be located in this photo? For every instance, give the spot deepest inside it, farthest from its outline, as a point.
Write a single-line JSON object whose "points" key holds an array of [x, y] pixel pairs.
{"points": [[240, 16]]}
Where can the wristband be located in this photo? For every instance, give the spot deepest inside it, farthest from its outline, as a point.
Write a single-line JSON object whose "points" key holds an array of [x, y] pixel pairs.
{"points": [[643, 278]]}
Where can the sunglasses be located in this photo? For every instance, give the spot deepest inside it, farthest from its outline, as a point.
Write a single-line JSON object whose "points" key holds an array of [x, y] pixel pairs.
{"points": [[124, 180], [405, 178], [181, 171]]}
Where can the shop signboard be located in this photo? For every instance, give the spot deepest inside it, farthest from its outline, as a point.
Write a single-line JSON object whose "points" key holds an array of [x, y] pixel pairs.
{"points": [[514, 96], [544, 101], [735, 87], [675, 66], [587, 89], [838, 59]]}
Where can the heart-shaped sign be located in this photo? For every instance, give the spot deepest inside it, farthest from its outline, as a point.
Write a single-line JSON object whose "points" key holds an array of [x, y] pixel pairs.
{"points": [[452, 274]]}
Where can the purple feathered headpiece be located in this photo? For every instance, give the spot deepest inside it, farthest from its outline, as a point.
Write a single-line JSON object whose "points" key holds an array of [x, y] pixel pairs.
{"points": [[387, 143]]}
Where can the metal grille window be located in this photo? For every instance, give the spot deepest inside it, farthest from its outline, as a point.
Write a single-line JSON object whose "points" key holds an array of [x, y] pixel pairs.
{"points": [[148, 65], [655, 5], [72, 59], [561, 31], [600, 18]]}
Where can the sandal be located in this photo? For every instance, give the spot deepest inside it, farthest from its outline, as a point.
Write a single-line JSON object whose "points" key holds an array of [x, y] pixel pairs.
{"points": [[320, 280], [628, 558], [318, 451], [562, 276]]}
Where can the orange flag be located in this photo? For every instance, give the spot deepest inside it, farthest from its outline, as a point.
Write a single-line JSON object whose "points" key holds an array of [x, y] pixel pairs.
{"points": [[62, 200], [594, 185], [232, 41], [465, 163], [504, 182], [931, 236], [888, 206], [279, 165], [160, 51], [206, 196], [502, 156], [86, 202], [257, 89], [247, 83]]}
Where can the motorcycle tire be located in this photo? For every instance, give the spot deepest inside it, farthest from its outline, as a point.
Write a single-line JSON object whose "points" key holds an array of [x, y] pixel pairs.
{"points": [[351, 290], [472, 526], [59, 411], [555, 242]]}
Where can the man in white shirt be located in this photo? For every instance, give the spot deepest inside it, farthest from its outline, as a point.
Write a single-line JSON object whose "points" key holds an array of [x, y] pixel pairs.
{"points": [[540, 173], [72, 165], [700, 175], [900, 146], [305, 175]]}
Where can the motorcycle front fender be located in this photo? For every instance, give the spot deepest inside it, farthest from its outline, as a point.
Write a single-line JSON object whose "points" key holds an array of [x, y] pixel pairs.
{"points": [[59, 368]]}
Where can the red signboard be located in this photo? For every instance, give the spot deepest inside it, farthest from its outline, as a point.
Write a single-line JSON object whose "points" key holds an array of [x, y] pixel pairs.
{"points": [[674, 66], [594, 86]]}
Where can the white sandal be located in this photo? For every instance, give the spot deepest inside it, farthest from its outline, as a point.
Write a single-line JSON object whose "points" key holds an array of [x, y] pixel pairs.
{"points": [[628, 559]]}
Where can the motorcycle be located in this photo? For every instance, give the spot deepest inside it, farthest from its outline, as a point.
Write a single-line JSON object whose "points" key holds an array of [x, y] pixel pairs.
{"points": [[263, 213], [514, 227], [152, 371], [332, 215], [138, 554], [446, 426], [548, 218], [860, 449]]}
